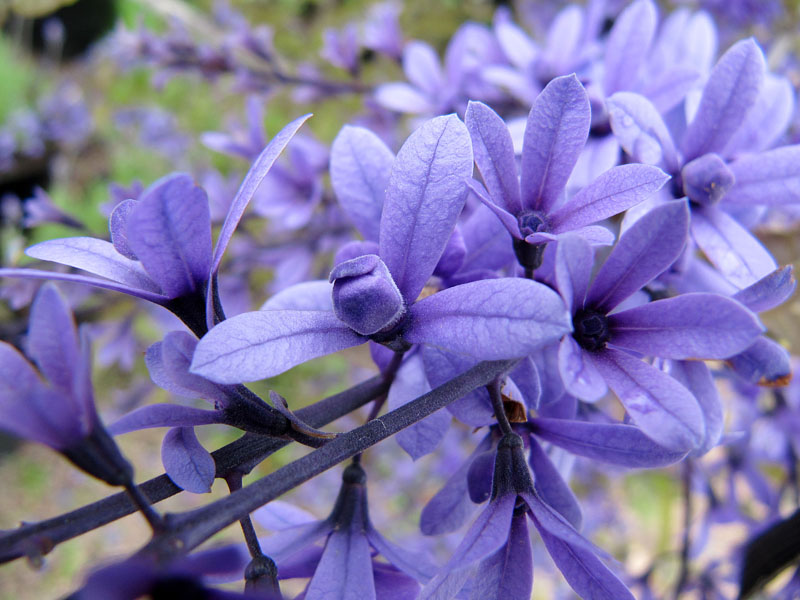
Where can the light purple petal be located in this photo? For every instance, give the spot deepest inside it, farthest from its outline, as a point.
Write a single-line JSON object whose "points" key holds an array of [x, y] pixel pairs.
{"points": [[771, 178], [279, 515], [664, 409], [730, 247], [548, 519], [176, 352], [552, 488], [403, 98], [95, 256], [287, 542], [490, 319], [425, 196], [508, 573], [556, 131], [164, 415], [412, 563], [424, 436], [308, 295], [118, 228], [187, 463], [494, 155], [156, 298], [608, 195], [696, 377], [617, 444], [422, 67], [573, 268], [345, 569], [360, 168], [689, 326], [169, 230], [770, 291], [265, 343], [767, 120], [255, 175], [642, 253], [581, 378], [731, 90], [640, 130], [584, 572], [628, 45]]}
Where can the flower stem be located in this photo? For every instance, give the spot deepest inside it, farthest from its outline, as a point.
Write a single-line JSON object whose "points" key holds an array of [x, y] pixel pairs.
{"points": [[497, 404], [136, 494]]}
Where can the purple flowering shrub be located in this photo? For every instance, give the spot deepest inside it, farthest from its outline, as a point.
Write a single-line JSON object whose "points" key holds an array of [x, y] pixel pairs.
{"points": [[555, 278]]}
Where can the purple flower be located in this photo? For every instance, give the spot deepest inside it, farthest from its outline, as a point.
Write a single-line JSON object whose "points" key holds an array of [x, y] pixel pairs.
{"points": [[424, 197], [494, 560], [346, 566], [59, 411], [184, 578], [532, 208], [689, 326], [722, 161]]}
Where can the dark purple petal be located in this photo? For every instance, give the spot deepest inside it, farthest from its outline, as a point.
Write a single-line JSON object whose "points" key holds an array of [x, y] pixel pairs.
{"points": [[689, 326], [450, 507], [365, 296], [391, 584], [628, 46], [664, 409], [696, 377], [548, 519], [766, 362], [360, 168], [610, 194], [169, 231], [494, 155], [768, 292], [508, 573], [642, 253], [487, 534], [423, 437], [479, 476], [730, 247], [771, 178], [425, 196], [164, 415], [552, 488], [187, 463], [556, 131], [731, 90], [508, 220], [250, 183], [453, 255], [265, 343], [578, 373], [617, 444], [490, 319], [584, 572], [345, 569], [95, 256], [641, 131]]}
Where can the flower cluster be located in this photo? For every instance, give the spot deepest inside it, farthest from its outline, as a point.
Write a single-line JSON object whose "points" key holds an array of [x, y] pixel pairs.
{"points": [[562, 256]]}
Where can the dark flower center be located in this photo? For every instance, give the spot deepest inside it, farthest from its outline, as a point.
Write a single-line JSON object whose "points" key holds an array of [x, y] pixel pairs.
{"points": [[531, 222], [590, 329]]}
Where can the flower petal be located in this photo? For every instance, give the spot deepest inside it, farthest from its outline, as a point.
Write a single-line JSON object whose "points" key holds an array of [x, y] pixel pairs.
{"points": [[556, 131], [552, 488], [664, 409], [360, 167], [186, 462], [261, 344], [581, 378], [628, 45], [164, 415], [508, 573], [490, 319], [640, 130], [771, 178], [345, 569], [425, 196]]}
